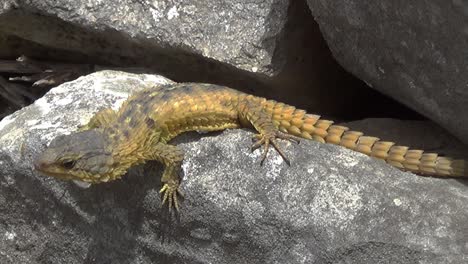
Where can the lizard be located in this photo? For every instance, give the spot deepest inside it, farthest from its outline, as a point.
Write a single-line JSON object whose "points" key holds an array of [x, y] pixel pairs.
{"points": [[141, 130]]}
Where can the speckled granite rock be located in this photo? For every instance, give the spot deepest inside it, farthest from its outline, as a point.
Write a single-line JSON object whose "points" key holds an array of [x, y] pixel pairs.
{"points": [[331, 206], [233, 32], [413, 51], [269, 47]]}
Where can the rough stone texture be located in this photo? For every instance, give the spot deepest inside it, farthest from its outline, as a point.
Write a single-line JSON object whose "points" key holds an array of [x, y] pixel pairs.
{"points": [[269, 47], [331, 206], [413, 51], [240, 34]]}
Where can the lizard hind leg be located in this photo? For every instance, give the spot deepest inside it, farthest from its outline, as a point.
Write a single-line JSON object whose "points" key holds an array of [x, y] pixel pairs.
{"points": [[268, 132]]}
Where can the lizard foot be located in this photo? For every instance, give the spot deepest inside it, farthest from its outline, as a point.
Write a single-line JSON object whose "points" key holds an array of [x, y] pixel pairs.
{"points": [[170, 192], [270, 138]]}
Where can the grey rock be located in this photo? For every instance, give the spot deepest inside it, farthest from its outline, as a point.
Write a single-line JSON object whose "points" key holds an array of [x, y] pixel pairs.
{"points": [[271, 48], [413, 51], [242, 35], [331, 206]]}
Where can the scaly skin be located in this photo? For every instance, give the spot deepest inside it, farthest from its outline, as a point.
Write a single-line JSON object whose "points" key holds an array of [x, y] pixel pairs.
{"points": [[112, 142]]}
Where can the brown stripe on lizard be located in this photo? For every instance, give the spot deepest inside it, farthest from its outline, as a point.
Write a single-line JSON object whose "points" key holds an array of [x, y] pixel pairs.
{"points": [[113, 141]]}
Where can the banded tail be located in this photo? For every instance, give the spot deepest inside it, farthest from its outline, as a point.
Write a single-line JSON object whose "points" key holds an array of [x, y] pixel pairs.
{"points": [[299, 123]]}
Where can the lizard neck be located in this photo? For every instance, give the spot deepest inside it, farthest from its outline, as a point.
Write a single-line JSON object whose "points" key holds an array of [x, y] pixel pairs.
{"points": [[132, 144]]}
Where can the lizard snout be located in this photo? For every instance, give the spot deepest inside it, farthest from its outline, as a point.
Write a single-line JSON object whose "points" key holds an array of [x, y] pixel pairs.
{"points": [[40, 164]]}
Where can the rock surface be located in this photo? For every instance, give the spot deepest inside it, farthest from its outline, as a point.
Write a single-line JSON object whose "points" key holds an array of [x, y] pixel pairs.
{"points": [[331, 206], [236, 33], [413, 51], [269, 47]]}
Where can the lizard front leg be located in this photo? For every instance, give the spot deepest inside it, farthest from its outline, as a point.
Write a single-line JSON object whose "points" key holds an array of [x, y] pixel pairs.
{"points": [[268, 132], [102, 118], [172, 157]]}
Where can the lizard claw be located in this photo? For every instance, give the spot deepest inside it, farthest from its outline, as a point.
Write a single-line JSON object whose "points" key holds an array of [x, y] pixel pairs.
{"points": [[270, 138], [170, 193]]}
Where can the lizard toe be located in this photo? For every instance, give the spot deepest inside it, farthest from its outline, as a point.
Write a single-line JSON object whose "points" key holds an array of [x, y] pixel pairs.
{"points": [[268, 139], [170, 193]]}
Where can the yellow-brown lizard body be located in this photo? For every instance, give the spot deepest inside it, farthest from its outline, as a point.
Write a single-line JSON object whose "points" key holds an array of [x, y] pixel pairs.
{"points": [[140, 130]]}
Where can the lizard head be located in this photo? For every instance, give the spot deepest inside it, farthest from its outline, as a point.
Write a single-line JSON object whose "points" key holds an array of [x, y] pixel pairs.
{"points": [[83, 156]]}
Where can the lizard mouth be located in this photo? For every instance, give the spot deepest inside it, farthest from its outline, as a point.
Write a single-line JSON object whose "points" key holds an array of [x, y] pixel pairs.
{"points": [[54, 174], [46, 170], [51, 170], [62, 176]]}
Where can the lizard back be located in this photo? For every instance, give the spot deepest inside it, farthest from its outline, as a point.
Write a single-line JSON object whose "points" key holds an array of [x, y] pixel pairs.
{"points": [[184, 107]]}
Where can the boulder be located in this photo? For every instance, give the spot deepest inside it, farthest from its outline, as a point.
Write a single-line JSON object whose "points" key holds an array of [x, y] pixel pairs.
{"points": [[237, 34], [412, 51], [332, 205]]}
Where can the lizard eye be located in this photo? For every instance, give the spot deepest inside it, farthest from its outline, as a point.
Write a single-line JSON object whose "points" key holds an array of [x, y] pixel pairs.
{"points": [[68, 164]]}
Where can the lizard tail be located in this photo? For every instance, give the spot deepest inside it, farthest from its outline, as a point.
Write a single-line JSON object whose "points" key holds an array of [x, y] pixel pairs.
{"points": [[297, 122]]}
